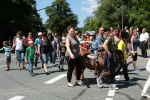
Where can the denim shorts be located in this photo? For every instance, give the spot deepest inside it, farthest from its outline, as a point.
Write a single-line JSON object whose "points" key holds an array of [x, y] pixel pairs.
{"points": [[45, 58], [20, 55]]}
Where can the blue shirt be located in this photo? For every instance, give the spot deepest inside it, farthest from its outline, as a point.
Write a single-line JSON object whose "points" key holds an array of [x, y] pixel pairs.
{"points": [[95, 45], [100, 39], [36, 42]]}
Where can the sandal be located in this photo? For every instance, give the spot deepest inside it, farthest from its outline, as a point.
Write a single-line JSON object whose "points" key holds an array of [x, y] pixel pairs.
{"points": [[79, 84]]}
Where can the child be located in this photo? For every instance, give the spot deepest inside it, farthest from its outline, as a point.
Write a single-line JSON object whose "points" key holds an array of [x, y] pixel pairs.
{"points": [[30, 53], [122, 45], [62, 49], [7, 54], [94, 46]]}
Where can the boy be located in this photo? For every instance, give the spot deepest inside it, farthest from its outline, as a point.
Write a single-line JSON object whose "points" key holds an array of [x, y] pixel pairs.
{"points": [[7, 54], [30, 53], [122, 45], [62, 49]]}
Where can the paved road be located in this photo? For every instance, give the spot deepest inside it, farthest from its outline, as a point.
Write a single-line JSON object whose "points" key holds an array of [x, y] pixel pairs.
{"points": [[18, 85]]}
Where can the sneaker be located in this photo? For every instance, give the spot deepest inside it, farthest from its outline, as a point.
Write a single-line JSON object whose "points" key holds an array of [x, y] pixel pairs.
{"points": [[129, 82], [51, 64], [99, 82], [144, 95], [94, 73], [137, 70], [31, 75], [113, 86], [61, 69], [54, 64]]}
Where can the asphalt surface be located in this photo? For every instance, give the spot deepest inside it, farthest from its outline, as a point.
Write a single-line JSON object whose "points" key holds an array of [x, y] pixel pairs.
{"points": [[19, 85]]}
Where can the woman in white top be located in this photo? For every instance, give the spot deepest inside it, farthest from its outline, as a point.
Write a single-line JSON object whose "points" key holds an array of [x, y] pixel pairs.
{"points": [[18, 43]]}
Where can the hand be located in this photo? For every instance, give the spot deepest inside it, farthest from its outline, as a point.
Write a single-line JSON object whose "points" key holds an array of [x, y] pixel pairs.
{"points": [[26, 60], [133, 53], [109, 55], [72, 56], [117, 56], [38, 53]]}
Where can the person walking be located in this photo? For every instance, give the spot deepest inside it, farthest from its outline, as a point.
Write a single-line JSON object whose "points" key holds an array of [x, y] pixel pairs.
{"points": [[133, 45], [36, 45], [44, 49], [73, 56], [143, 42], [29, 57], [18, 43], [109, 61]]}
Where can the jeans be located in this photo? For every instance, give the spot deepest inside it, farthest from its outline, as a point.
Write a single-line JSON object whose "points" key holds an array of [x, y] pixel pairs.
{"points": [[52, 57], [95, 54], [31, 62], [45, 58], [147, 84], [20, 55]]}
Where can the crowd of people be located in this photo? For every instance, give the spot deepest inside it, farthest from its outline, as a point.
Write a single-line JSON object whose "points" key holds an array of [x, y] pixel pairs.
{"points": [[68, 49]]}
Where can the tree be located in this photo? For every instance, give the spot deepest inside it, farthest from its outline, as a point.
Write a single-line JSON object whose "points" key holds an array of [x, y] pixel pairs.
{"points": [[18, 15], [60, 17], [139, 14]]}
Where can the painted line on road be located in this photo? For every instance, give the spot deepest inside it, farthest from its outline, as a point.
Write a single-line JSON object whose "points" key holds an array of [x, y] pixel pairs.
{"points": [[2, 66], [17, 98], [5, 58], [56, 79], [111, 93], [109, 99]]}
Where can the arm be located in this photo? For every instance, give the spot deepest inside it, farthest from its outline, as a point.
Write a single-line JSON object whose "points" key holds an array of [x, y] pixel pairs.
{"points": [[131, 44], [24, 42], [26, 57], [68, 48], [105, 47], [39, 46]]}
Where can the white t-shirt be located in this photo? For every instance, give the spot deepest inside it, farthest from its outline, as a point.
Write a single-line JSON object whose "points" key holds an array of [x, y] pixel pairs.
{"points": [[144, 36]]}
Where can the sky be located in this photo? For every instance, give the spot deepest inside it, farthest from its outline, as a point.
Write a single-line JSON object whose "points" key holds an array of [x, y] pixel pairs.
{"points": [[82, 8]]}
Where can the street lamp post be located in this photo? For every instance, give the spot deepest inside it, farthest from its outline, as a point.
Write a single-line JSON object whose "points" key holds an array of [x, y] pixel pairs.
{"points": [[122, 13]]}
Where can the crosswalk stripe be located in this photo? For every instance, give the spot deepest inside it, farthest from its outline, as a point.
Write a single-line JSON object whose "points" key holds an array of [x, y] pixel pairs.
{"points": [[2, 66], [111, 93], [56, 79], [17, 98], [109, 98]]}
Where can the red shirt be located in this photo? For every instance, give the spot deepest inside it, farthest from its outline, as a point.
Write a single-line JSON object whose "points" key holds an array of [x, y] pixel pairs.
{"points": [[30, 39], [85, 45]]}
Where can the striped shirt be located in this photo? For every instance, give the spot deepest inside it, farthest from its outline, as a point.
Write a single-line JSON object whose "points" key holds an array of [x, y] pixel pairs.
{"points": [[7, 50]]}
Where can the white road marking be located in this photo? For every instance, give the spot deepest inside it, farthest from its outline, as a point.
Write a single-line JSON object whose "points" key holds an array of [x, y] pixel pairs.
{"points": [[109, 98], [111, 93], [56, 79], [2, 66], [117, 76], [17, 98], [5, 58]]}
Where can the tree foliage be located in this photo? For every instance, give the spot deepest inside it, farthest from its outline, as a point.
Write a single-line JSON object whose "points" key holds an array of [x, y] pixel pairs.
{"points": [[18, 15], [60, 17], [109, 13]]}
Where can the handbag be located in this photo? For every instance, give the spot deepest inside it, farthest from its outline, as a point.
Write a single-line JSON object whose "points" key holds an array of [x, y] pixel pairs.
{"points": [[148, 66]]}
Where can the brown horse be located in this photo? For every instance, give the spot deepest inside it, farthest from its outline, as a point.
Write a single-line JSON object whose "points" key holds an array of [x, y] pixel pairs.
{"points": [[88, 63]]}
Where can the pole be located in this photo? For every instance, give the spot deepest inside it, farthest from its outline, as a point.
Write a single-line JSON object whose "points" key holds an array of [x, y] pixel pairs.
{"points": [[122, 13]]}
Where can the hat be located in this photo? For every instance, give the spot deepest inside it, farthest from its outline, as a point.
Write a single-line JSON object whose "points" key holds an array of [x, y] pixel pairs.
{"points": [[40, 33], [91, 32], [124, 35]]}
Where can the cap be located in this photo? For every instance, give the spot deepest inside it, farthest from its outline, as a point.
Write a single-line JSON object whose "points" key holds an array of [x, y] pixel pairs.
{"points": [[40, 33], [124, 34], [91, 32]]}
